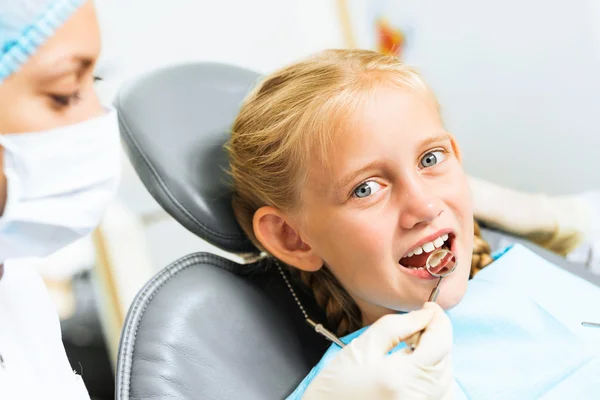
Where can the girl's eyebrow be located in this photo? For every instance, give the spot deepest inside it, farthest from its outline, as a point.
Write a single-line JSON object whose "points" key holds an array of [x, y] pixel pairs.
{"points": [[351, 176], [436, 139]]}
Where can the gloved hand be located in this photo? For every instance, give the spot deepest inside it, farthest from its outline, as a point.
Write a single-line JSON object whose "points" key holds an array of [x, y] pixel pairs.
{"points": [[558, 223], [364, 370], [588, 252]]}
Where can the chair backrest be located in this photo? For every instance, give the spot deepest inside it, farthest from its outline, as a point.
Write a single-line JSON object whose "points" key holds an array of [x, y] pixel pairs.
{"points": [[204, 327]]}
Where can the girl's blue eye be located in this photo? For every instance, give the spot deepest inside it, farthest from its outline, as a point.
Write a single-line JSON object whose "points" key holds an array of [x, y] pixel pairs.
{"points": [[432, 158], [366, 189]]}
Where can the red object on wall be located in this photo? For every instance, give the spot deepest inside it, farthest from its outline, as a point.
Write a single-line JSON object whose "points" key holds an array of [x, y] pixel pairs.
{"points": [[390, 40]]}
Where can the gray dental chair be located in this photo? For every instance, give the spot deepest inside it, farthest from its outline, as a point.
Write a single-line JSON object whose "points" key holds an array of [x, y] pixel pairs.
{"points": [[205, 327]]}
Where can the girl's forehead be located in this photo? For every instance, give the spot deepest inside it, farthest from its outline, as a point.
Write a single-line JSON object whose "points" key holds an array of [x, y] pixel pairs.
{"points": [[391, 117], [389, 123]]}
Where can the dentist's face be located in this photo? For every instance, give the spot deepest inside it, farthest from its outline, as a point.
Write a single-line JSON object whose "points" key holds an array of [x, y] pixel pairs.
{"points": [[56, 86], [394, 187]]}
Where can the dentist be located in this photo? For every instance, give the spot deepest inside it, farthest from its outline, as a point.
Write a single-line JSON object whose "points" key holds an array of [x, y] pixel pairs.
{"points": [[59, 167]]}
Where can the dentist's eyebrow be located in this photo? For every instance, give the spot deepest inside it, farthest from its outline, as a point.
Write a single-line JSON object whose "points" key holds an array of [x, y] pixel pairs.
{"points": [[350, 177], [65, 66]]}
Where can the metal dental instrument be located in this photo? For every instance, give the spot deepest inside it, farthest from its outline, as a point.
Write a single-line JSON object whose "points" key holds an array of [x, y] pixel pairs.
{"points": [[591, 324], [439, 264], [445, 264], [319, 328]]}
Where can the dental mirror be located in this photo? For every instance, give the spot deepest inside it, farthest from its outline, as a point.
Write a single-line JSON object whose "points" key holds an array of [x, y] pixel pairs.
{"points": [[439, 264]]}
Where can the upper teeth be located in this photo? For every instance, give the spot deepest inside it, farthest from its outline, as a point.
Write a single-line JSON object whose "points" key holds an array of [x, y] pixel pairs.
{"points": [[429, 246]]}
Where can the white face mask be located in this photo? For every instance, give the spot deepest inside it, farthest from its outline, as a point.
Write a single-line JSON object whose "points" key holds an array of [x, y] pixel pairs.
{"points": [[59, 183]]}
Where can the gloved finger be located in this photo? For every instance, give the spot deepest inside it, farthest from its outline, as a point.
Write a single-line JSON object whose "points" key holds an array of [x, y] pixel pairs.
{"points": [[446, 373], [449, 395], [387, 333], [436, 340], [426, 382], [447, 378]]}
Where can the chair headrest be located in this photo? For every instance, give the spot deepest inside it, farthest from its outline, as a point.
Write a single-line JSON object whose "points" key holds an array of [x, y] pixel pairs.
{"points": [[174, 122]]}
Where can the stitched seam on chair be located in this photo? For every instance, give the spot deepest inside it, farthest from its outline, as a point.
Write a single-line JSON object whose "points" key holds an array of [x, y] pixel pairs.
{"points": [[168, 192], [163, 278], [142, 301]]}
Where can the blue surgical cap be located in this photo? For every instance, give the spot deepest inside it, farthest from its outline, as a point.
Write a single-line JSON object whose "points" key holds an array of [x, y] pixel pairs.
{"points": [[25, 25]]}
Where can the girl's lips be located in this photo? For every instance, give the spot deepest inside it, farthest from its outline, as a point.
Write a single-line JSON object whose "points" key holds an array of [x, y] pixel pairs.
{"points": [[419, 273]]}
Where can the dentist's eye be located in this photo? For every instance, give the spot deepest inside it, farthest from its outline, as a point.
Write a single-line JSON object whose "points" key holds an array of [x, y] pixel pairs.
{"points": [[366, 189], [65, 100], [432, 158]]}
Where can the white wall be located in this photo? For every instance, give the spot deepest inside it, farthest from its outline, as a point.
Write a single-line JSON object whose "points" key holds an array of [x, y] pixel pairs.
{"points": [[519, 83], [141, 35], [517, 79]]}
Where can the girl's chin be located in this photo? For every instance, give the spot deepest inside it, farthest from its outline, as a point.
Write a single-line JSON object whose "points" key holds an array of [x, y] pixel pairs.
{"points": [[452, 294], [449, 297], [445, 302], [448, 303]]}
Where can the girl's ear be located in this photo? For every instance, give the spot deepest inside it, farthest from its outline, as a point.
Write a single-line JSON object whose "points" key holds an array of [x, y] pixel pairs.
{"points": [[278, 236]]}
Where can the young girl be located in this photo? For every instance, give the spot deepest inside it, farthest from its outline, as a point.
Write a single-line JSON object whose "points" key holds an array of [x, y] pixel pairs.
{"points": [[343, 170]]}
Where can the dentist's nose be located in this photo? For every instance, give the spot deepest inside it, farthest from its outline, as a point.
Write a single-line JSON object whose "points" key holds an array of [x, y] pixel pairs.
{"points": [[419, 205]]}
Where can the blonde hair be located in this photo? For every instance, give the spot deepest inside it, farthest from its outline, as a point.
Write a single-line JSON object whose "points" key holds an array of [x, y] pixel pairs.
{"points": [[289, 117]]}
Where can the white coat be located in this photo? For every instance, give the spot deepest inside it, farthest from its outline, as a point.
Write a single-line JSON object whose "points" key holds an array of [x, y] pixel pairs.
{"points": [[33, 362]]}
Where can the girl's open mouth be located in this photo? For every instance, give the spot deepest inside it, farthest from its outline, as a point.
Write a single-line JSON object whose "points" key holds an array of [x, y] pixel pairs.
{"points": [[414, 261]]}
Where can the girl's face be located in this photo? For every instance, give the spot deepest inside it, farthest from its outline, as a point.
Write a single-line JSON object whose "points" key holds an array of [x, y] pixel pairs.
{"points": [[393, 186]]}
